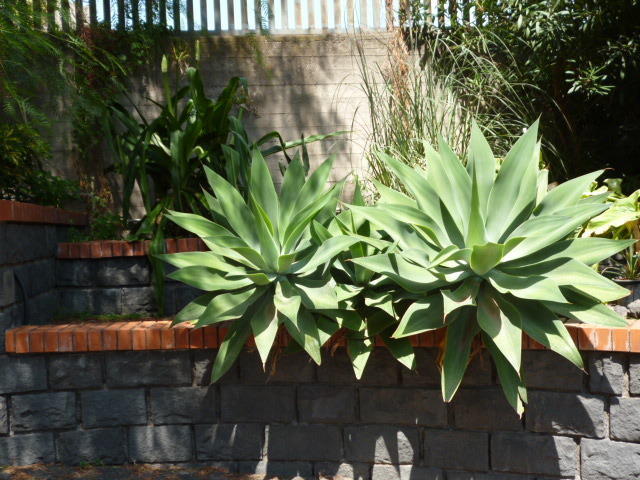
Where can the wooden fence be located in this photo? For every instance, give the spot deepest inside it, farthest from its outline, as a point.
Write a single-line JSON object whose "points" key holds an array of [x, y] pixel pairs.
{"points": [[244, 16]]}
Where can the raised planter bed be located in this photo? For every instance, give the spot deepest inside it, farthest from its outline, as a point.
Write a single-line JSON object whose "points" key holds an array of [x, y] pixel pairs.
{"points": [[158, 334], [20, 212], [120, 248]]}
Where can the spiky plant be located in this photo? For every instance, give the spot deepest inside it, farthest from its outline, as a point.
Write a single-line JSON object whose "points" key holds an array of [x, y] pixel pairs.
{"points": [[264, 268], [487, 251]]}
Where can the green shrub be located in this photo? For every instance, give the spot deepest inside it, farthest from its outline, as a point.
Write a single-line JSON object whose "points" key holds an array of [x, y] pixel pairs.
{"points": [[484, 252]]}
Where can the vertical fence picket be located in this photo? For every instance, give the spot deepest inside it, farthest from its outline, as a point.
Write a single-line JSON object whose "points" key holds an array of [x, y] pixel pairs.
{"points": [[258, 15], [79, 15], [271, 10], [190, 15], [51, 14], [148, 12], [244, 17], [284, 14], [93, 12], [231, 15], [375, 10], [311, 14], [135, 12], [175, 11], [106, 8], [37, 14], [326, 13], [121, 15], [217, 16], [162, 12], [65, 14], [298, 23], [204, 16], [338, 14]]}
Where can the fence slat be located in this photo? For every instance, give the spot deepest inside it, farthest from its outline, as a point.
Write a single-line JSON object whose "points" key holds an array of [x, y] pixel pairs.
{"points": [[135, 12], [65, 13], [204, 16], [121, 15], [162, 11], [244, 15], [79, 15], [148, 10], [176, 15], [190, 15], [217, 15], [106, 8], [231, 15]]}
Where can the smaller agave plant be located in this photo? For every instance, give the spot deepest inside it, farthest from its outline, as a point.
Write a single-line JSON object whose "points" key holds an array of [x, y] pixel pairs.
{"points": [[263, 269], [486, 252]]}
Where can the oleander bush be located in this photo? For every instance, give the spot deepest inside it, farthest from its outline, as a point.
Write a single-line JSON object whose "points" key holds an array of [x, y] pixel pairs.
{"points": [[480, 249]]}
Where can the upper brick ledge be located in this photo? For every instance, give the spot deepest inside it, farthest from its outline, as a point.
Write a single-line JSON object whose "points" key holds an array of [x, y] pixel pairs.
{"points": [[157, 334], [20, 212], [120, 248]]}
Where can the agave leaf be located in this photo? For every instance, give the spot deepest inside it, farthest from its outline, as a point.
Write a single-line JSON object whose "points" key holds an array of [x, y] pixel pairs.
{"points": [[476, 233], [421, 316], [409, 276], [264, 325], [315, 185], [324, 253], [381, 300], [208, 279], [359, 349], [235, 209], [515, 187], [586, 310], [543, 185], [316, 294], [304, 330], [485, 257], [292, 183], [545, 327], [510, 379], [193, 310], [566, 194], [262, 188], [531, 287], [401, 350], [202, 259], [229, 306], [501, 322], [197, 224], [230, 348], [457, 347], [577, 276], [301, 220], [390, 196], [481, 166]]}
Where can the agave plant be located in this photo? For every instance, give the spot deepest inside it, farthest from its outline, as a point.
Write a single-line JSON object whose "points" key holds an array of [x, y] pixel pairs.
{"points": [[263, 270], [487, 252]]}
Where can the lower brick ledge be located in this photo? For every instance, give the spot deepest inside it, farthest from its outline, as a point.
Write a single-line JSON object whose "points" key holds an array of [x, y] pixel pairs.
{"points": [[158, 334]]}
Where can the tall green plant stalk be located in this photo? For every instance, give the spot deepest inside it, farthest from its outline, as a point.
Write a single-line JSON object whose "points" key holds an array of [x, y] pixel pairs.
{"points": [[432, 87]]}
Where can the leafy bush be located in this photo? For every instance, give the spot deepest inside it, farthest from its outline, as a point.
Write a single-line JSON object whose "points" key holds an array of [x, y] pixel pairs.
{"points": [[484, 252]]}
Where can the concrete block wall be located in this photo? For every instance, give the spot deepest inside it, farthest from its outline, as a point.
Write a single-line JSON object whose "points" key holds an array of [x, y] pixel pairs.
{"points": [[307, 420], [114, 286], [27, 272]]}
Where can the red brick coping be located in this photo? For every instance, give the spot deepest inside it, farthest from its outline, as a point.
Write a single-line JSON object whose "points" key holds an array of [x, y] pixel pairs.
{"points": [[159, 335], [20, 212], [120, 248]]}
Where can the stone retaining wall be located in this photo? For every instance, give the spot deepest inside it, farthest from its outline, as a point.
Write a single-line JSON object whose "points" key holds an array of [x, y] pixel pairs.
{"points": [[122, 407]]}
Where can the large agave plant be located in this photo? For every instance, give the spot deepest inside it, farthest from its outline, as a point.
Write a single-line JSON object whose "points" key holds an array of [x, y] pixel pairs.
{"points": [[487, 251], [263, 269]]}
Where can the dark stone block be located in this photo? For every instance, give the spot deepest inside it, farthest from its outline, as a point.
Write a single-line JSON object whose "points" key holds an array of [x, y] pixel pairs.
{"points": [[480, 371], [382, 444], [402, 406], [537, 454], [41, 309], [326, 404], [538, 365], [339, 471], [10, 317], [405, 472], [634, 374], [7, 287], [75, 371], [625, 419], [382, 369], [336, 368], [4, 426], [108, 300], [27, 449], [426, 372], [484, 410], [75, 273], [140, 300], [304, 442], [105, 408], [607, 460], [183, 295], [566, 413], [273, 403], [166, 443], [291, 368], [37, 277], [606, 373], [128, 369], [202, 365], [22, 374], [76, 300], [229, 441], [183, 405], [43, 411], [456, 450], [104, 445], [279, 470], [122, 272]]}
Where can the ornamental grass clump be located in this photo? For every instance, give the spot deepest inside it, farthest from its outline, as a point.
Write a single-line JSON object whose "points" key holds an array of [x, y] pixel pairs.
{"points": [[487, 251], [482, 250]]}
